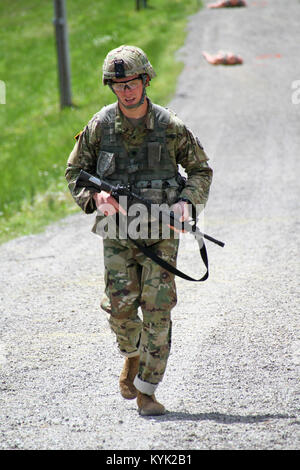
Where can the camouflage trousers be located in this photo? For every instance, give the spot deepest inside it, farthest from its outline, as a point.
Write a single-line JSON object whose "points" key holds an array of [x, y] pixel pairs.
{"points": [[134, 281]]}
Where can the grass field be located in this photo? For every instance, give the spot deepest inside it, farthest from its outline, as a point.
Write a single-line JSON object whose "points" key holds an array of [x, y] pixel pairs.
{"points": [[36, 136]]}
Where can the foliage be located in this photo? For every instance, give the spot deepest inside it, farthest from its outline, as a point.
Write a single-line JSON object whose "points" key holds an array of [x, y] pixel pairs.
{"points": [[36, 136]]}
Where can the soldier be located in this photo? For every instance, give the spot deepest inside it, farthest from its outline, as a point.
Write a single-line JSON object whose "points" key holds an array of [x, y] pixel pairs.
{"points": [[138, 143]]}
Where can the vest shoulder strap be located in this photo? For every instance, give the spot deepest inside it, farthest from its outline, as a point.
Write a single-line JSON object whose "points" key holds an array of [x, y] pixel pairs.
{"points": [[163, 115], [107, 115]]}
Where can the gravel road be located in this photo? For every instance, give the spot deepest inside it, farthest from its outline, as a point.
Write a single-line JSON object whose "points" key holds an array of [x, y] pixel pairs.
{"points": [[233, 374]]}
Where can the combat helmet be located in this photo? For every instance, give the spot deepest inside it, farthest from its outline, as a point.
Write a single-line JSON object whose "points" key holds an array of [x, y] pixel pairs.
{"points": [[125, 61]]}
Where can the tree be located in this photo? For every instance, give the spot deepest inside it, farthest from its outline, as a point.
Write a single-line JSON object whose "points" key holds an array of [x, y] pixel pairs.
{"points": [[63, 58]]}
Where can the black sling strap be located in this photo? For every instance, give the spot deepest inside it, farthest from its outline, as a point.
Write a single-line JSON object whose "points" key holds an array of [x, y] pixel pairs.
{"points": [[167, 266], [164, 264]]}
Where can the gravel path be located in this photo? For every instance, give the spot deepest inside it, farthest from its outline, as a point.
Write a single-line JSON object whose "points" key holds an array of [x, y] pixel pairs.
{"points": [[233, 374]]}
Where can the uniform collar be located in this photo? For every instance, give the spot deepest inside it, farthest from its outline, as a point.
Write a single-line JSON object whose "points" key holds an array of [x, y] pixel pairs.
{"points": [[121, 121]]}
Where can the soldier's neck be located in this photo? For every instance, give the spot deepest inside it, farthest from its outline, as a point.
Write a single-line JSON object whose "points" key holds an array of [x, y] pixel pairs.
{"points": [[135, 113]]}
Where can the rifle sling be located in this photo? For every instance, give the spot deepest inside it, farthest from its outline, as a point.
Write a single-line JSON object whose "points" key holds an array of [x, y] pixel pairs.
{"points": [[167, 266], [164, 264]]}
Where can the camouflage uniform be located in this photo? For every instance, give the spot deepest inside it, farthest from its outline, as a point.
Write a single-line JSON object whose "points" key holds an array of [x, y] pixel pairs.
{"points": [[132, 280]]}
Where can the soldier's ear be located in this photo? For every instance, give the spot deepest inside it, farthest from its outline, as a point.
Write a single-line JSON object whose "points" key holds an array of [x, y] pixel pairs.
{"points": [[147, 83]]}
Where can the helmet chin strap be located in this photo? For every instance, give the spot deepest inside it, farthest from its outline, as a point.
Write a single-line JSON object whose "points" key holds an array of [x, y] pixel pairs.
{"points": [[137, 105]]}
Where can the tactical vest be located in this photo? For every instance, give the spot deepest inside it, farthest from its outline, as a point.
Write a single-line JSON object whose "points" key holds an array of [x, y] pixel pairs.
{"points": [[148, 169]]}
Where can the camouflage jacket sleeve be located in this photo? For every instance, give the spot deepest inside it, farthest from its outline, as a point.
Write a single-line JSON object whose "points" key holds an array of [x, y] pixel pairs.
{"points": [[84, 157], [191, 156]]}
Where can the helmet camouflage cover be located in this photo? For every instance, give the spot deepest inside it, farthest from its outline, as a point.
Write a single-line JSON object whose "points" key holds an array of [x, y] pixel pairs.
{"points": [[125, 61]]}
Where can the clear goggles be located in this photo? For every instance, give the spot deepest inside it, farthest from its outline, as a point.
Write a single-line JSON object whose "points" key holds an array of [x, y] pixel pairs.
{"points": [[130, 84]]}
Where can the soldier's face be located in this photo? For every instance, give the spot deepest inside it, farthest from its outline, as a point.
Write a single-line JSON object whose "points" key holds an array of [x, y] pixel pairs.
{"points": [[130, 92]]}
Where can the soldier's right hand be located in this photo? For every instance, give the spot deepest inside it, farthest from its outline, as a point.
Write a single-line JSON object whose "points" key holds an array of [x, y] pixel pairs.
{"points": [[107, 204]]}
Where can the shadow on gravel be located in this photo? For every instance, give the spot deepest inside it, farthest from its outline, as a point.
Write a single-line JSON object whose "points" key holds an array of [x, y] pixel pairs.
{"points": [[218, 417]]}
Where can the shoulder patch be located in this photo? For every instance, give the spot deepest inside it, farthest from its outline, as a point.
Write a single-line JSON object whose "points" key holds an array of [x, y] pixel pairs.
{"points": [[196, 138], [76, 137]]}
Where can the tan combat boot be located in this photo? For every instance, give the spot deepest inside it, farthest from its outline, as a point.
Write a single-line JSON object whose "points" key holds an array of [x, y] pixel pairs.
{"points": [[130, 369], [148, 405]]}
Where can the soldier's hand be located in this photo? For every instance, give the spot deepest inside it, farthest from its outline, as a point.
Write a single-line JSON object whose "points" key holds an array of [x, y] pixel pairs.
{"points": [[181, 208], [107, 204]]}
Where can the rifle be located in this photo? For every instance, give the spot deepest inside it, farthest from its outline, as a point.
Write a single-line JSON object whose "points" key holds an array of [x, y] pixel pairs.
{"points": [[88, 181]]}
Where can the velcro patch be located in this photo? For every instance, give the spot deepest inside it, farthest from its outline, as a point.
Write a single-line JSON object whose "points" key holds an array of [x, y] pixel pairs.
{"points": [[76, 137]]}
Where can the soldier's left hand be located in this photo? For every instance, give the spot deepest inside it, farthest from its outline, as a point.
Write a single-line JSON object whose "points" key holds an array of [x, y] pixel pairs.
{"points": [[181, 208]]}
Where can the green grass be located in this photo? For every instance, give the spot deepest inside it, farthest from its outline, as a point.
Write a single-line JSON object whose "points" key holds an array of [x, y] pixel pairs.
{"points": [[36, 136]]}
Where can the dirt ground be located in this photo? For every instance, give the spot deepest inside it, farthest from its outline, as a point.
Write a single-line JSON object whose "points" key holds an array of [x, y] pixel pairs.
{"points": [[233, 374]]}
